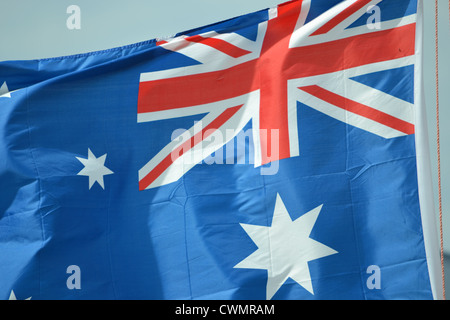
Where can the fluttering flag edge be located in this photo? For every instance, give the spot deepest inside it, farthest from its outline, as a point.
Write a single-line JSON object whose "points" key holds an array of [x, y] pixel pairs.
{"points": [[424, 173]]}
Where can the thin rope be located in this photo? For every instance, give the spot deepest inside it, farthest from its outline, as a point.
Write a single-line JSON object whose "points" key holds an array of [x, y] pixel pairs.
{"points": [[439, 145]]}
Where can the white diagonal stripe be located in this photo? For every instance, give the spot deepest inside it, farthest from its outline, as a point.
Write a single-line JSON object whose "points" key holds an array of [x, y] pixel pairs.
{"points": [[372, 97], [347, 116], [211, 59]]}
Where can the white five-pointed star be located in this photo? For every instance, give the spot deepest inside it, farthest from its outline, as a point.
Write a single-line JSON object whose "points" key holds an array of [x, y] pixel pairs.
{"points": [[12, 296], [285, 248], [94, 168]]}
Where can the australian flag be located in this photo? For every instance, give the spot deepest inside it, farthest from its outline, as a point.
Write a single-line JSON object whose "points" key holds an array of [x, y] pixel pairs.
{"points": [[277, 155]]}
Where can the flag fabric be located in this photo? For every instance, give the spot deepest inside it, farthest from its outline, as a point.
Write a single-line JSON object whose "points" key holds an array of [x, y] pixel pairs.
{"points": [[277, 155]]}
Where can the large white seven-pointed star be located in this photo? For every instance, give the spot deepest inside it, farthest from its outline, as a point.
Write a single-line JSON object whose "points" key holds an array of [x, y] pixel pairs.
{"points": [[94, 168], [285, 248]]}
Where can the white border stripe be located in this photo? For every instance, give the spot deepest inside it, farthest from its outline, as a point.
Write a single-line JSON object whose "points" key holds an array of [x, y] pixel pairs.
{"points": [[424, 175]]}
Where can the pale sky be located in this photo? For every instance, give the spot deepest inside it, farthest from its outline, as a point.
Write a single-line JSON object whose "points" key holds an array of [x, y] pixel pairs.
{"points": [[33, 29]]}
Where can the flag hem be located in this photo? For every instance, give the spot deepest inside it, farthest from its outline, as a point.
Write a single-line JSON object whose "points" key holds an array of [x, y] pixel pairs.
{"points": [[424, 175]]}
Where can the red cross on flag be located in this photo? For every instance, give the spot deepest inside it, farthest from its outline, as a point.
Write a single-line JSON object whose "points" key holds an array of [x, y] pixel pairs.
{"points": [[239, 80]]}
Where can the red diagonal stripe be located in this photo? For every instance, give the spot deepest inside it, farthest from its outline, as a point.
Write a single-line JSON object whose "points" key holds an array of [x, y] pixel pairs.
{"points": [[359, 109], [341, 17], [187, 145], [220, 45]]}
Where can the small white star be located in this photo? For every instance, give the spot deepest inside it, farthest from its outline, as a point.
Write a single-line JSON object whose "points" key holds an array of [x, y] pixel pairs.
{"points": [[12, 296], [285, 248], [4, 91], [94, 168]]}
